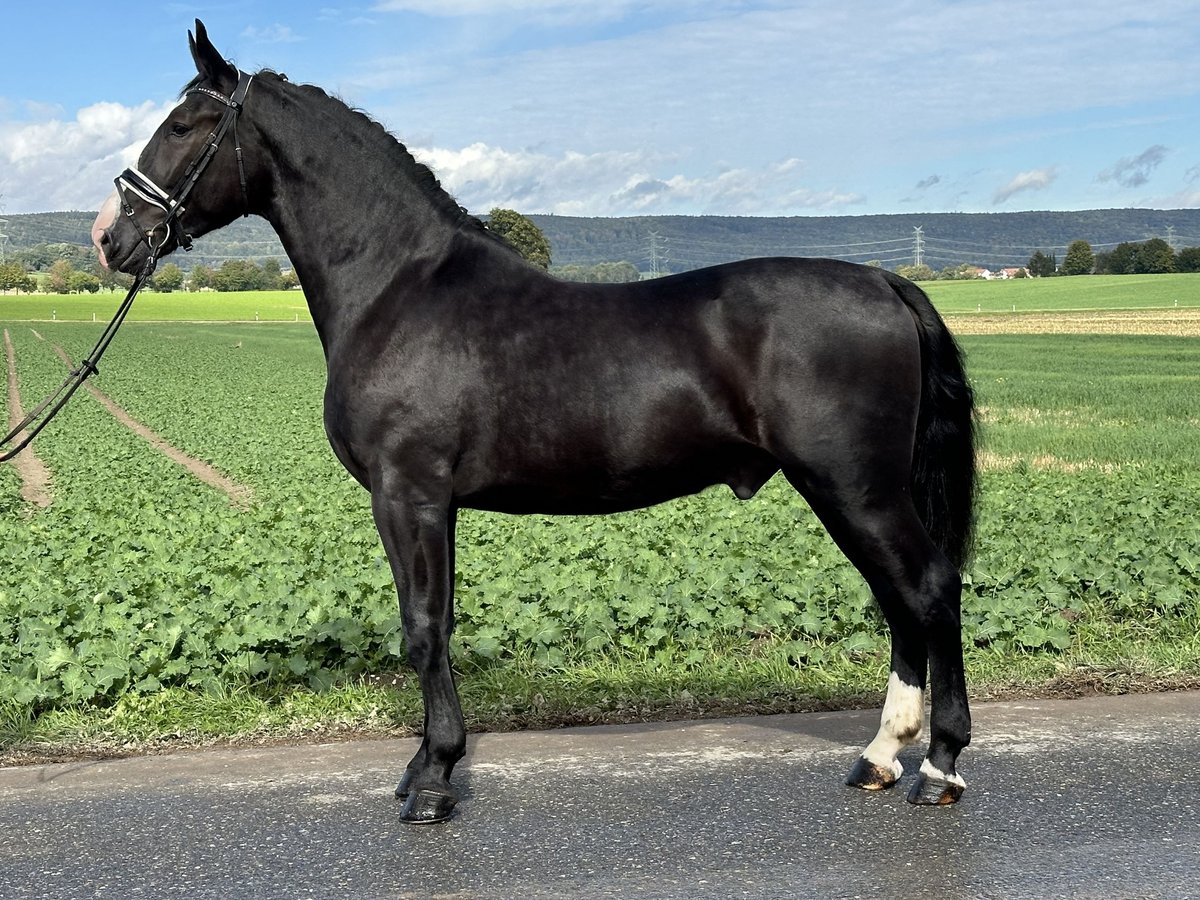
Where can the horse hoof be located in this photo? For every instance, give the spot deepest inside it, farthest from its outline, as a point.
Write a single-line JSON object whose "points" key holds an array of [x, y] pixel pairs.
{"points": [[426, 807], [872, 777], [930, 791]]}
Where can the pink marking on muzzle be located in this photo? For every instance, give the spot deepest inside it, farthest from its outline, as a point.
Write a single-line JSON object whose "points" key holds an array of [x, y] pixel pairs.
{"points": [[104, 221]]}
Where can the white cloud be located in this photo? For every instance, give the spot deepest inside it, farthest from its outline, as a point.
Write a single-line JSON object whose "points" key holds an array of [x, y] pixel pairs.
{"points": [[456, 8], [620, 184], [1033, 180], [271, 34], [1185, 199], [465, 7], [70, 164]]}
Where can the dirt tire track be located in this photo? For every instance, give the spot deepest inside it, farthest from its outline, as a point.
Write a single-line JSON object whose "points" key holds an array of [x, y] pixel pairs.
{"points": [[34, 474], [239, 494]]}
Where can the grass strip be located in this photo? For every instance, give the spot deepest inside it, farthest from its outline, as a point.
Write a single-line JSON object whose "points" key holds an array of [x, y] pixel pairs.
{"points": [[1105, 658]]}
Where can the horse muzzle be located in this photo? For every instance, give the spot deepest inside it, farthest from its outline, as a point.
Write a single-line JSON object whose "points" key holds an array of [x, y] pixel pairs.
{"points": [[123, 242]]}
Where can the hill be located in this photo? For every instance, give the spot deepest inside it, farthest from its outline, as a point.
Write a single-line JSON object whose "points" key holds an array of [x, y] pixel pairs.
{"points": [[688, 242], [948, 239], [250, 238]]}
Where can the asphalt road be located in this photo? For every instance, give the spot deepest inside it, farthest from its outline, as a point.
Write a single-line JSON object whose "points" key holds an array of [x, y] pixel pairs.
{"points": [[1095, 798]]}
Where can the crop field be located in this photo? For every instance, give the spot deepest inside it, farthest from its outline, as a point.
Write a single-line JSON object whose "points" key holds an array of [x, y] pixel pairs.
{"points": [[198, 306], [137, 576], [1092, 292]]}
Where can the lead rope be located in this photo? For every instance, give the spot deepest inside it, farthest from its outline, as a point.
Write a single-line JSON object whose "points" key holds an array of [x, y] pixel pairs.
{"points": [[39, 417]]}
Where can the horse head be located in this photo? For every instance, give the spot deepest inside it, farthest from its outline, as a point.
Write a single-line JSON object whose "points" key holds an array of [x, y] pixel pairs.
{"points": [[154, 210]]}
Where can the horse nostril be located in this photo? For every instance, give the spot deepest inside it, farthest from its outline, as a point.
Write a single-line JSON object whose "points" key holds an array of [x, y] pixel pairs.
{"points": [[107, 247]]}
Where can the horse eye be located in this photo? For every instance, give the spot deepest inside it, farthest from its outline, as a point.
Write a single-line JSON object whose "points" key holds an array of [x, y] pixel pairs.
{"points": [[180, 130]]}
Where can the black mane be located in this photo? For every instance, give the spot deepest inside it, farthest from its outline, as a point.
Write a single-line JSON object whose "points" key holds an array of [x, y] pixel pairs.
{"points": [[419, 173]]}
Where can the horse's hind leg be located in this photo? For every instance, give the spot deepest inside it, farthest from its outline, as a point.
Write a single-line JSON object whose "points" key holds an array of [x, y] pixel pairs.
{"points": [[877, 528], [904, 708]]}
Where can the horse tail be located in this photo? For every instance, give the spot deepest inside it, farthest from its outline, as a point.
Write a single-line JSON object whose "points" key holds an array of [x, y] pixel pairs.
{"points": [[943, 473]]}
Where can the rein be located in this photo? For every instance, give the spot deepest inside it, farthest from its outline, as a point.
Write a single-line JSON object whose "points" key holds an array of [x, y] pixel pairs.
{"points": [[172, 205], [40, 416]]}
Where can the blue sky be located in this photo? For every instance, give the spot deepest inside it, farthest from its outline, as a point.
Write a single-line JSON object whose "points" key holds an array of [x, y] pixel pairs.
{"points": [[631, 107]]}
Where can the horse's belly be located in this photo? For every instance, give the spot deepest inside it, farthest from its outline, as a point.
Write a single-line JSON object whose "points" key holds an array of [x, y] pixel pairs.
{"points": [[587, 491]]}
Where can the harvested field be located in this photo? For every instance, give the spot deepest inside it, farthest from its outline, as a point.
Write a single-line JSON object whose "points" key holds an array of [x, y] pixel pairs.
{"points": [[1168, 322]]}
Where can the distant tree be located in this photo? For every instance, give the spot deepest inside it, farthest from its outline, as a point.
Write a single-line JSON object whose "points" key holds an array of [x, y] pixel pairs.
{"points": [[1155, 257], [962, 272], [238, 275], [574, 272], [40, 257], [1041, 265], [168, 278], [601, 273], [13, 277], [522, 234], [82, 282], [58, 281], [110, 279], [272, 275], [1188, 260], [289, 280], [617, 272], [1080, 260], [1122, 259], [916, 273], [202, 277]]}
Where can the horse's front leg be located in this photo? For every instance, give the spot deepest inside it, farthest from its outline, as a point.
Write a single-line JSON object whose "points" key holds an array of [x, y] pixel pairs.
{"points": [[418, 535]]}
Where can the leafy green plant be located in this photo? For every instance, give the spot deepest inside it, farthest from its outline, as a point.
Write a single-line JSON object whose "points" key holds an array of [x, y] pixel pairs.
{"points": [[139, 579]]}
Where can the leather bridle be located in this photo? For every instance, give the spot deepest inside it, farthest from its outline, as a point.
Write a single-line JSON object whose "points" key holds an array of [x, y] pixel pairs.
{"points": [[131, 181], [134, 182]]}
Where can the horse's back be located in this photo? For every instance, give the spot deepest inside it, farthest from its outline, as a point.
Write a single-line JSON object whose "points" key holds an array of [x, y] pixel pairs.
{"points": [[592, 398]]}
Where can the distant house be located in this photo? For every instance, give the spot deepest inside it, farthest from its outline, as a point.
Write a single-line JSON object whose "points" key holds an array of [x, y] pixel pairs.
{"points": [[999, 274]]}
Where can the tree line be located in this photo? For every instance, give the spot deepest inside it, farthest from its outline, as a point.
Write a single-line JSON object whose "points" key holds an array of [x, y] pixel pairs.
{"points": [[69, 268], [63, 277], [1151, 257]]}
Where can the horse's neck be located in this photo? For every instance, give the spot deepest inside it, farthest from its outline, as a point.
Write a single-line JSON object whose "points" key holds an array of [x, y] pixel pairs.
{"points": [[351, 211]]}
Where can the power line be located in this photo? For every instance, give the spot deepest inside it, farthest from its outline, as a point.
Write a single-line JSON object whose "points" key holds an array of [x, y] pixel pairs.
{"points": [[658, 258], [691, 242]]}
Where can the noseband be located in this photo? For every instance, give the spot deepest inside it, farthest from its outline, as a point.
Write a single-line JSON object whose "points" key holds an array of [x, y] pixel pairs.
{"points": [[131, 181]]}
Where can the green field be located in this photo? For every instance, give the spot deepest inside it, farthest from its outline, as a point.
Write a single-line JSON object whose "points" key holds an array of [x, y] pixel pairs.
{"points": [[1099, 292], [1062, 294], [205, 306], [141, 589]]}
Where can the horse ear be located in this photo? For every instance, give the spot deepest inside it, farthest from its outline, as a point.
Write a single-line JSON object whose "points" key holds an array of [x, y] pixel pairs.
{"points": [[209, 62]]}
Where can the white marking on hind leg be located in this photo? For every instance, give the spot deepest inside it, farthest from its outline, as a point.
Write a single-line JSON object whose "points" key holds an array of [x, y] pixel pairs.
{"points": [[929, 770], [899, 726]]}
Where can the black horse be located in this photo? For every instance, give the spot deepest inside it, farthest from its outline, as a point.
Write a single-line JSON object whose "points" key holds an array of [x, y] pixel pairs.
{"points": [[461, 376]]}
